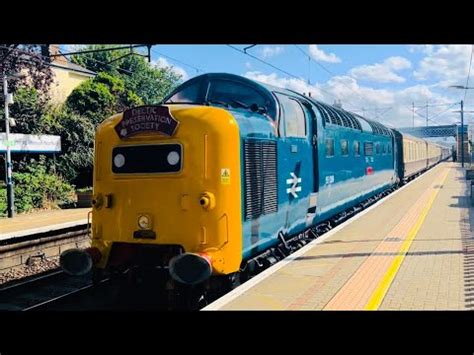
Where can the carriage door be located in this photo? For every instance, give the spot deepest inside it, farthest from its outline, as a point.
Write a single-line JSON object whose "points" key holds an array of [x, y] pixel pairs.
{"points": [[313, 136], [295, 162]]}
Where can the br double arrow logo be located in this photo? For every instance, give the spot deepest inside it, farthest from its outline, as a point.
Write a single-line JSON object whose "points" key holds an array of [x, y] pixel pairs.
{"points": [[294, 181]]}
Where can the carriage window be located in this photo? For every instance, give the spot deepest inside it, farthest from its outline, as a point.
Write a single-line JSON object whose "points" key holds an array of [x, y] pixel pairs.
{"points": [[344, 147], [356, 148], [384, 149], [293, 116], [368, 148], [377, 148], [329, 147]]}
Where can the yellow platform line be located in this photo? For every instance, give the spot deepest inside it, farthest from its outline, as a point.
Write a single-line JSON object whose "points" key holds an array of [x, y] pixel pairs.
{"points": [[379, 294]]}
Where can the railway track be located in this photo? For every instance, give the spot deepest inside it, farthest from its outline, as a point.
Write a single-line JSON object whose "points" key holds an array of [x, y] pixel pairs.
{"points": [[39, 291]]}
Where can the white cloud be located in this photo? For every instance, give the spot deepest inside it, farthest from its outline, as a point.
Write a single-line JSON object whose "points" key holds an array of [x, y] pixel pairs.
{"points": [[163, 63], [248, 65], [423, 48], [389, 106], [448, 63], [298, 85], [382, 72], [319, 54], [268, 52]]}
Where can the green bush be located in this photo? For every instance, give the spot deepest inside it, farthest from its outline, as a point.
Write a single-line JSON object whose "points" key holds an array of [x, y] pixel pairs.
{"points": [[3, 201], [36, 188], [77, 141]]}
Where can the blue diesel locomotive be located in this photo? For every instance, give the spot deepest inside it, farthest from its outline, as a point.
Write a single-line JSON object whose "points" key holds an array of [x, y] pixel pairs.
{"points": [[228, 175]]}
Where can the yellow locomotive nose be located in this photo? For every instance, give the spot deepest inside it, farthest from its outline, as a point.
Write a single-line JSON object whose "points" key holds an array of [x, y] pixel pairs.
{"points": [[176, 196]]}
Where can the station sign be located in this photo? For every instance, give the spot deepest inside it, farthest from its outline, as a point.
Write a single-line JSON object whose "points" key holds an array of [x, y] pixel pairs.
{"points": [[30, 143], [147, 119]]}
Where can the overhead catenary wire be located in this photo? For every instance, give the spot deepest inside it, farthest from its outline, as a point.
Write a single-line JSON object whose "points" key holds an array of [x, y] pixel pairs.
{"points": [[444, 111], [178, 61], [469, 73], [450, 105], [327, 70], [311, 59], [438, 114], [283, 71], [434, 105], [46, 59]]}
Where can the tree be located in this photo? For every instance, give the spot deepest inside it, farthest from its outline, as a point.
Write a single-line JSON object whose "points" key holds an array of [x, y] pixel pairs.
{"points": [[147, 81], [28, 110], [27, 60], [100, 97], [31, 114], [77, 141]]}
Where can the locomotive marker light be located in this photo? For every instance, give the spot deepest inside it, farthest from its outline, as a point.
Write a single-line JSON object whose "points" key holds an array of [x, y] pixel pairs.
{"points": [[119, 160], [294, 185], [154, 119], [173, 158]]}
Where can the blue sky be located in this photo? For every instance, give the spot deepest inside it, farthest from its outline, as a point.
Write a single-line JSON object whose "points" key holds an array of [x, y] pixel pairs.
{"points": [[379, 81]]}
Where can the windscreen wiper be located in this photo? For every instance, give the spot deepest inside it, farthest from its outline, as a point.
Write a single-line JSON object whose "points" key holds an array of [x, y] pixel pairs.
{"points": [[241, 104], [217, 102]]}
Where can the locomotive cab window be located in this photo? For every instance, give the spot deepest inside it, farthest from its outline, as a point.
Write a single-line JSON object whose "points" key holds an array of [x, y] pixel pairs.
{"points": [[224, 91], [236, 95], [292, 117], [189, 94]]}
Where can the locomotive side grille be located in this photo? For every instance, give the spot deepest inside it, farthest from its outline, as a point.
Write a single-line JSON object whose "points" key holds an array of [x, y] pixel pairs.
{"points": [[253, 185], [260, 178], [270, 184]]}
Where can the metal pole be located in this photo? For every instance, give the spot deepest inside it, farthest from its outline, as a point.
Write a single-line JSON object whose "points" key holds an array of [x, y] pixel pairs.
{"points": [[427, 114], [149, 54], [462, 133], [10, 195]]}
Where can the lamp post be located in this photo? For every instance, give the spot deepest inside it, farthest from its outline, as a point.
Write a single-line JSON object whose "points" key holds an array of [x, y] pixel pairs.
{"points": [[8, 99], [10, 195]]}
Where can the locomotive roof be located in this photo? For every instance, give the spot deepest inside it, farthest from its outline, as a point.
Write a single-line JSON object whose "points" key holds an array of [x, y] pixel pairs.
{"points": [[330, 114]]}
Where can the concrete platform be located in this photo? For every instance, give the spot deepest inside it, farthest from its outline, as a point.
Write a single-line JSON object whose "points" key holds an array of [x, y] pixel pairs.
{"points": [[413, 250], [40, 222]]}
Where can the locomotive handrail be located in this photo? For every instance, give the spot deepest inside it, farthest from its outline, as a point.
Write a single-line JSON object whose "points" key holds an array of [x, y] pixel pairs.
{"points": [[89, 224]]}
